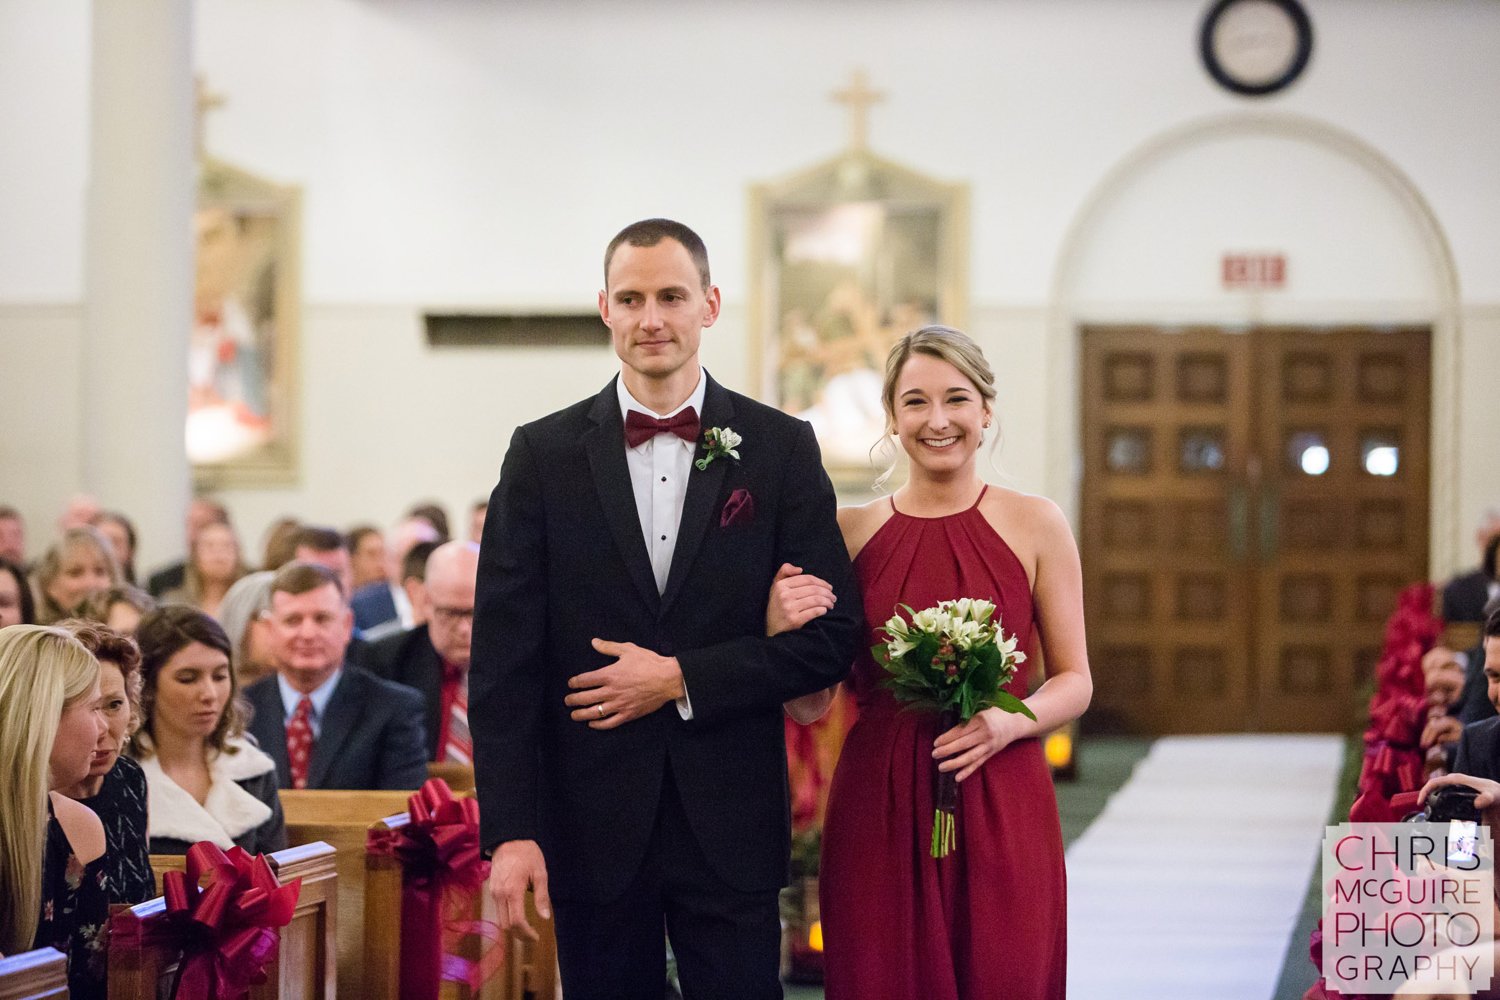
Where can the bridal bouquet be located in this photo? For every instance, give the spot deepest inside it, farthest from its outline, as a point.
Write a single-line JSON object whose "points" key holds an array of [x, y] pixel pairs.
{"points": [[953, 659]]}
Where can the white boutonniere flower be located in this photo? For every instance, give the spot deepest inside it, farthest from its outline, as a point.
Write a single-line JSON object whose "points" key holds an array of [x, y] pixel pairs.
{"points": [[717, 443]]}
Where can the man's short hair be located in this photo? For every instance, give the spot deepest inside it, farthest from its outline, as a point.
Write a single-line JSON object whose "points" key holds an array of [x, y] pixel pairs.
{"points": [[357, 534], [649, 232], [9, 513], [1492, 622], [414, 563], [434, 515], [319, 539], [297, 578]]}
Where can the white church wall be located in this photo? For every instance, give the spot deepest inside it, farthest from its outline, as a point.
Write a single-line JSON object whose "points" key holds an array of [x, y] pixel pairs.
{"points": [[455, 154]]}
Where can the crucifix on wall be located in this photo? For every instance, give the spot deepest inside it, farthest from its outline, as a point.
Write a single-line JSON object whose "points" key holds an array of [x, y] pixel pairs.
{"points": [[848, 256]]}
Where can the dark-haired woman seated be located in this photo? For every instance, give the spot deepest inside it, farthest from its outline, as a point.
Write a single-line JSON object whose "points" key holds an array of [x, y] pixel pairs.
{"points": [[205, 779]]}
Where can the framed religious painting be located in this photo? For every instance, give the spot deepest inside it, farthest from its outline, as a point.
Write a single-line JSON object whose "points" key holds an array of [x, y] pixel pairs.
{"points": [[242, 349], [846, 258]]}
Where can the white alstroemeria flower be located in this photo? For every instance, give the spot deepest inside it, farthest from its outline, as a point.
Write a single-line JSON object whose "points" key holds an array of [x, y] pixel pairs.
{"points": [[896, 625], [899, 647], [981, 610], [929, 620], [730, 441]]}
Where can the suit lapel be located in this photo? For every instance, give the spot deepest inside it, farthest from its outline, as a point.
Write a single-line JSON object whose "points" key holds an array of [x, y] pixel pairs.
{"points": [[701, 502], [338, 723], [269, 726], [605, 447]]}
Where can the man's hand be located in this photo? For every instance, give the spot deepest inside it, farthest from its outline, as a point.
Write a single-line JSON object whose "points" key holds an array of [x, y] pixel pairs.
{"points": [[796, 599], [517, 865], [635, 685]]}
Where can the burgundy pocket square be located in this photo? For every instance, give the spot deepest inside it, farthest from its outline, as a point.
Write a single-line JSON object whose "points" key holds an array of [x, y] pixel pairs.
{"points": [[738, 509]]}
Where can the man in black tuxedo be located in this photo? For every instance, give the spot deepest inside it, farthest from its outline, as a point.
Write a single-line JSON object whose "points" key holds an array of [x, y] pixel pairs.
{"points": [[627, 704], [326, 723], [1465, 595], [1479, 746]]}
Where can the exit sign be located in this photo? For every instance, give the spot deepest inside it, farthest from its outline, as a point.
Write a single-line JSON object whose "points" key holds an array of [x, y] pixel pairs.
{"points": [[1254, 270]]}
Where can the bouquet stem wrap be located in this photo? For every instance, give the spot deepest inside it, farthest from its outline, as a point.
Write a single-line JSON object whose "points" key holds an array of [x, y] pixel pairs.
{"points": [[442, 874], [945, 799], [229, 932]]}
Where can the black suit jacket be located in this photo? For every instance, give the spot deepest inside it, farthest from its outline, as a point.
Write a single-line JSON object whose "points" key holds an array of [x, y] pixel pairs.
{"points": [[563, 561], [371, 735], [1465, 596], [409, 658], [1479, 750]]}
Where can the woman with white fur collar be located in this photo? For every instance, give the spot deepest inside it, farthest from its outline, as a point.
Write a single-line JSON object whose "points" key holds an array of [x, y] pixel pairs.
{"points": [[205, 779]]}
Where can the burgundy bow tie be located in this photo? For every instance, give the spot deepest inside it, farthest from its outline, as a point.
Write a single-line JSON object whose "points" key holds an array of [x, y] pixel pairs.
{"points": [[641, 427]]}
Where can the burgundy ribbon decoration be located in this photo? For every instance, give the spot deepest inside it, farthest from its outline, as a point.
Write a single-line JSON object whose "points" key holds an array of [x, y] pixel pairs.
{"points": [[442, 873], [228, 932]]}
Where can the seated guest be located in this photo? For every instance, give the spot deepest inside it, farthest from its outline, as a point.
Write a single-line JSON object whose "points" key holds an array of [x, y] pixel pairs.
{"points": [[325, 547], [121, 534], [115, 788], [281, 543], [377, 603], [119, 608], [326, 723], [200, 513], [204, 779], [433, 513], [477, 514], [213, 565], [243, 616], [16, 605], [414, 586], [54, 883], [1465, 596], [77, 567], [12, 535], [366, 555], [1479, 746], [434, 658]]}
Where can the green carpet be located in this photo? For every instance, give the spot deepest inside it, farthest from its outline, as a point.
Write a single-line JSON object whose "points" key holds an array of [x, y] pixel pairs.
{"points": [[1104, 764]]}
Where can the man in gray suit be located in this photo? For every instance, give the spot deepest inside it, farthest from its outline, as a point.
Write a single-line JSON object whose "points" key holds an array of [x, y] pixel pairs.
{"points": [[325, 723]]}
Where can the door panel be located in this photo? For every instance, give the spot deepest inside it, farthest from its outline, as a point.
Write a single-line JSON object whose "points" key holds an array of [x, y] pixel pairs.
{"points": [[1252, 503]]}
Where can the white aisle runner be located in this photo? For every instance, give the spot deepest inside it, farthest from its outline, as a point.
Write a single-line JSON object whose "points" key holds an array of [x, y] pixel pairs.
{"points": [[1191, 879]]}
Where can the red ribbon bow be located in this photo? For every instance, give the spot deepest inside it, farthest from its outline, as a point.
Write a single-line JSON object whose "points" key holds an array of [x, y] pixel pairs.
{"points": [[228, 931], [442, 872]]}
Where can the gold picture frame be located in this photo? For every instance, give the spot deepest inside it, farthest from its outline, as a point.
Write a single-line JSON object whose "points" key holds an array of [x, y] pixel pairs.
{"points": [[243, 346], [845, 258]]}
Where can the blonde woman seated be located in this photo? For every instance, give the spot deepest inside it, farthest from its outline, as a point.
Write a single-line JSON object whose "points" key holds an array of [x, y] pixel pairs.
{"points": [[74, 569], [205, 780], [115, 788], [53, 880]]}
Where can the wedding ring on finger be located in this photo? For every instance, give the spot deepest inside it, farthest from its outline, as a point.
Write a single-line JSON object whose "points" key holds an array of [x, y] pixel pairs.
{"points": [[602, 714]]}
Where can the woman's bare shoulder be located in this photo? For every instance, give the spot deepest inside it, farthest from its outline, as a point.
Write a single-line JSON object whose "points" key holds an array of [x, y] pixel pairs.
{"points": [[81, 825], [1029, 511], [860, 522]]}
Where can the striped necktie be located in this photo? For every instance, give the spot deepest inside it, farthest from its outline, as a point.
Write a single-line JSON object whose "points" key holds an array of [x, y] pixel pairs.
{"points": [[460, 746]]}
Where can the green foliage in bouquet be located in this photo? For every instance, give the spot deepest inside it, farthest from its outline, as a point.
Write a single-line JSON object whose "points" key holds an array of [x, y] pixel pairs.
{"points": [[952, 658]]}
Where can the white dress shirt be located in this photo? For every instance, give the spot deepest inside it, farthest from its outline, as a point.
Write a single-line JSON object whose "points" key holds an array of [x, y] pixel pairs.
{"points": [[659, 470]]}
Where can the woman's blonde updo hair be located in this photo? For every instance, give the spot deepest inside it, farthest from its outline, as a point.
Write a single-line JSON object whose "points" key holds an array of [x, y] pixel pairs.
{"points": [[946, 344]]}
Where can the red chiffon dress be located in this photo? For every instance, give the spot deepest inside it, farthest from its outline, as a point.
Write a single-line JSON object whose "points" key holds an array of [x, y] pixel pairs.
{"points": [[989, 921]]}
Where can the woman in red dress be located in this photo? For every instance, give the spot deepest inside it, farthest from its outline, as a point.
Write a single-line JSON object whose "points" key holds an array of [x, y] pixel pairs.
{"points": [[990, 919]]}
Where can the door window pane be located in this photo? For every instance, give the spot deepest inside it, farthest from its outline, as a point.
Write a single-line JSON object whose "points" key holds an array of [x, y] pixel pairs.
{"points": [[1128, 450], [1307, 452], [1379, 453], [1201, 449]]}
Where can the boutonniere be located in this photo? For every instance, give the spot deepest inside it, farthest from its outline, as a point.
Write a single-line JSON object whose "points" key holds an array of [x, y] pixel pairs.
{"points": [[717, 443]]}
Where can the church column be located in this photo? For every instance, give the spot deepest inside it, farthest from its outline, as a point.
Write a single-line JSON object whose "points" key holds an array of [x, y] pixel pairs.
{"points": [[138, 269]]}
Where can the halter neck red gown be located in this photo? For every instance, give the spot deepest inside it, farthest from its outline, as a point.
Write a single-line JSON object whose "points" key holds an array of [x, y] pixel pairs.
{"points": [[988, 922]]}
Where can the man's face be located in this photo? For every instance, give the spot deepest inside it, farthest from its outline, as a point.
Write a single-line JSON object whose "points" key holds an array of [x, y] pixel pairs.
{"points": [[656, 308], [1492, 669], [13, 540], [309, 633], [450, 622]]}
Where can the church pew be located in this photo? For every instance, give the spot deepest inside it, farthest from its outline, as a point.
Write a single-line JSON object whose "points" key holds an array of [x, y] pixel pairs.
{"points": [[530, 969], [343, 818], [304, 968], [34, 975], [460, 777]]}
